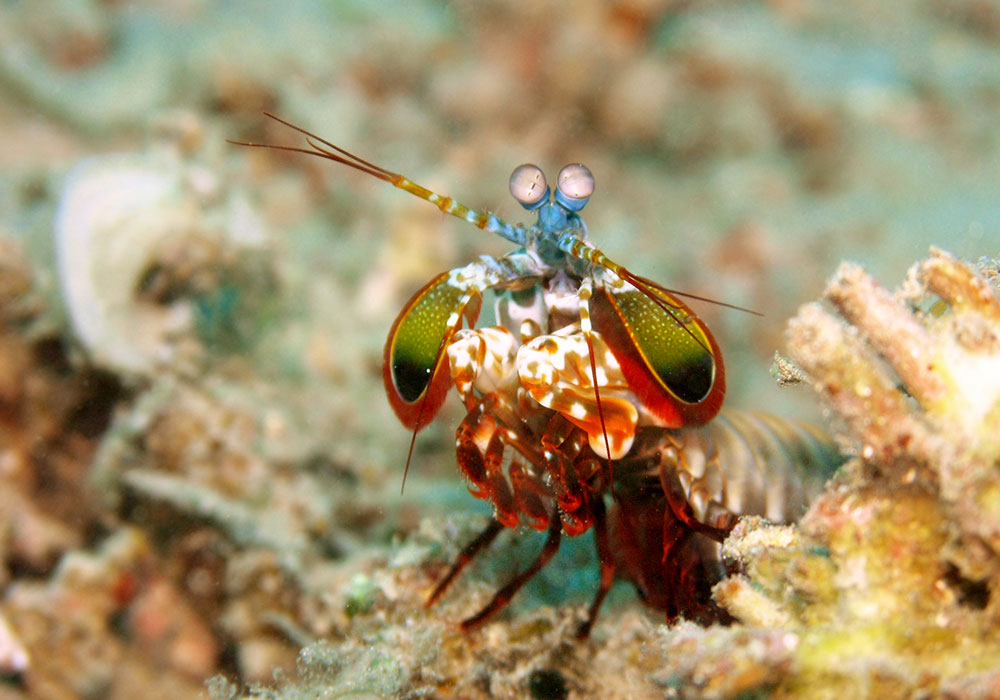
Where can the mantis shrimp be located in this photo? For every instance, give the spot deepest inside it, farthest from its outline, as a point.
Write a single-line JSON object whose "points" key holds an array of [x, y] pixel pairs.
{"points": [[594, 384]]}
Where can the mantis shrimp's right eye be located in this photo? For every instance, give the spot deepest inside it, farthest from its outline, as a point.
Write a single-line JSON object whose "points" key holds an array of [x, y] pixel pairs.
{"points": [[574, 186], [528, 186]]}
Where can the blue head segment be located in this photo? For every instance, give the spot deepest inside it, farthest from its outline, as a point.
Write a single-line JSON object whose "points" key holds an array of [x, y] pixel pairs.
{"points": [[574, 186]]}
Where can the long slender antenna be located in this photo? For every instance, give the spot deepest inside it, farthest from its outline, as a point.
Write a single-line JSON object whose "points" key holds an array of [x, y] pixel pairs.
{"points": [[321, 148], [331, 152], [688, 295], [582, 250]]}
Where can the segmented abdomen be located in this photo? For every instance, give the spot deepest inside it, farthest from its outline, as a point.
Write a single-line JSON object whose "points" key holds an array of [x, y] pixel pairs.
{"points": [[679, 492]]}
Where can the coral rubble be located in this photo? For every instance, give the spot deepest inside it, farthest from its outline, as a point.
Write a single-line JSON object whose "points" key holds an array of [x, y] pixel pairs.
{"points": [[889, 586], [920, 390]]}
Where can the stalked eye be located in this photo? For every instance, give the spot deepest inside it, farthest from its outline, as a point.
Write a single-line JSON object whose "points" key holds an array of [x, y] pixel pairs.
{"points": [[528, 186], [574, 186]]}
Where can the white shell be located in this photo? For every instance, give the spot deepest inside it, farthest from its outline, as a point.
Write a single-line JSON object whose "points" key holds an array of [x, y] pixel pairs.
{"points": [[116, 215]]}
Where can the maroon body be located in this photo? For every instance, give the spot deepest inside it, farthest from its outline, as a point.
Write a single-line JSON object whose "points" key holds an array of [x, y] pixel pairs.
{"points": [[672, 566]]}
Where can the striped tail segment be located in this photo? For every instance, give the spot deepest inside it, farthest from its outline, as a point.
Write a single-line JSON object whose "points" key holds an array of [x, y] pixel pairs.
{"points": [[681, 491]]}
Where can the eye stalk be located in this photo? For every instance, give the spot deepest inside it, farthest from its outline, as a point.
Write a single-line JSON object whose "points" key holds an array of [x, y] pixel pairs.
{"points": [[574, 186], [528, 186]]}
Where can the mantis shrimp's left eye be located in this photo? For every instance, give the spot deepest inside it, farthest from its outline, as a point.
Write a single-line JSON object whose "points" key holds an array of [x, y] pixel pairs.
{"points": [[574, 186], [528, 186]]}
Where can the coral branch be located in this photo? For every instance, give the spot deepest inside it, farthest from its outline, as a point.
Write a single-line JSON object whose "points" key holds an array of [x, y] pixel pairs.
{"points": [[850, 377], [888, 328]]}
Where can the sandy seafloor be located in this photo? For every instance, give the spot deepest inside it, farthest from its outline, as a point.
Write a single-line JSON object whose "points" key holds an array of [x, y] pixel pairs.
{"points": [[201, 471]]}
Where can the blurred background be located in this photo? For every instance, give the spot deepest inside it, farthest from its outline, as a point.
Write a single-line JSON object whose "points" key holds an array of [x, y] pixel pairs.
{"points": [[200, 325]]}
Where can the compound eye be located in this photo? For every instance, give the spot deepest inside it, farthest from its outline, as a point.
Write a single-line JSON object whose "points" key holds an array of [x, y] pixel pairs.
{"points": [[528, 186], [574, 186]]}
